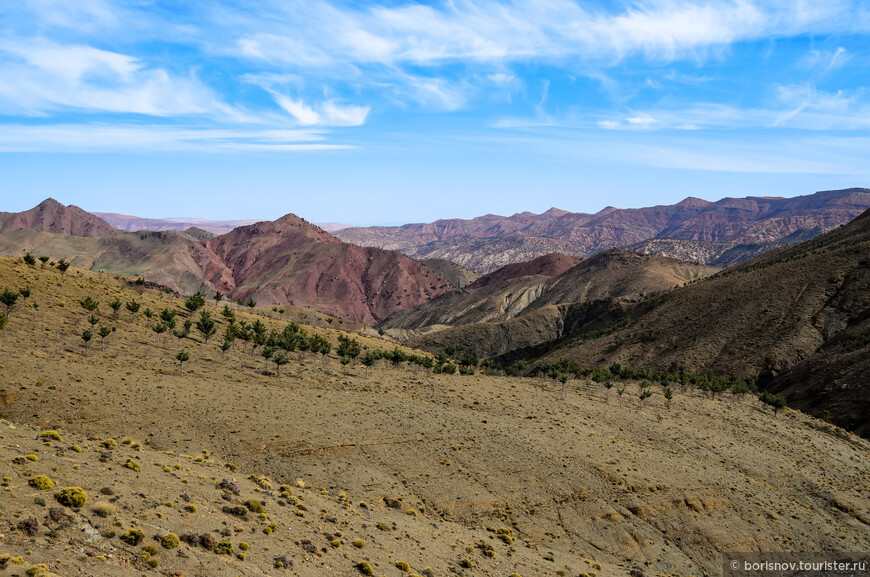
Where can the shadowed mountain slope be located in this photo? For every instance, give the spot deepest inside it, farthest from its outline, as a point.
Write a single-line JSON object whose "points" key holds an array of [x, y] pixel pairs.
{"points": [[553, 279]]}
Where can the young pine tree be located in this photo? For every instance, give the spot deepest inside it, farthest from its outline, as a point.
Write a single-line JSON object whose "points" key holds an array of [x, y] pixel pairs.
{"points": [[182, 356], [279, 360], [206, 325], [87, 335], [8, 298], [103, 333], [115, 305], [159, 328], [133, 307]]}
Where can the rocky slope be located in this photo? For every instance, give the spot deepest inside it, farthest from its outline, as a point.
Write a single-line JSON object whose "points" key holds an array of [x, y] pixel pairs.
{"points": [[51, 216], [458, 276], [486, 243], [285, 262], [475, 475], [796, 319], [552, 279], [290, 261], [500, 295]]}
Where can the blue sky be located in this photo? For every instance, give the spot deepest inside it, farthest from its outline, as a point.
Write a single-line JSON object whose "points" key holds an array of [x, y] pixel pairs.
{"points": [[391, 112]]}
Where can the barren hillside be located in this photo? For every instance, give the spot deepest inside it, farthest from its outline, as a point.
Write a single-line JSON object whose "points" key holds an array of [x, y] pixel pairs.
{"points": [[567, 479]]}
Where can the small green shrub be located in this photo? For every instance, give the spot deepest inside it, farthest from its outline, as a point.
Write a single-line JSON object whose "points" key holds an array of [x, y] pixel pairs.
{"points": [[72, 497], [32, 457], [40, 569], [466, 563], [403, 566], [244, 546], [255, 506], [51, 435], [224, 548], [365, 568], [133, 465], [109, 444], [41, 482], [170, 541], [132, 537]]}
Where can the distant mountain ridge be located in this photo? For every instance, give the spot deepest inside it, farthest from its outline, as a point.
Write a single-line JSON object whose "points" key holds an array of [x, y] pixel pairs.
{"points": [[285, 262], [721, 233], [131, 223]]}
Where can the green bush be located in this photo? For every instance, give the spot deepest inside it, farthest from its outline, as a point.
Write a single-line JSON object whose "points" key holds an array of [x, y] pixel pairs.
{"points": [[41, 482], [224, 548], [255, 506], [133, 465], [132, 537], [365, 568], [51, 435], [72, 497], [170, 541]]}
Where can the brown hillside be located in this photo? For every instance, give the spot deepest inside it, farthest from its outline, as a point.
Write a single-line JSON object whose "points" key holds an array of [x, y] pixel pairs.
{"points": [[549, 265], [505, 294], [500, 295], [52, 216], [286, 262], [797, 319], [457, 275], [617, 273], [514, 475]]}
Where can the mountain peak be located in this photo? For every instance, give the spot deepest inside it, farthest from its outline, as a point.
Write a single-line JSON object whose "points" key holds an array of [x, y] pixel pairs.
{"points": [[53, 217]]}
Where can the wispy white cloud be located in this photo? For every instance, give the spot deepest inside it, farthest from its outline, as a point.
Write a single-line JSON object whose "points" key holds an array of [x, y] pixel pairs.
{"points": [[39, 76], [489, 30], [329, 113], [113, 138]]}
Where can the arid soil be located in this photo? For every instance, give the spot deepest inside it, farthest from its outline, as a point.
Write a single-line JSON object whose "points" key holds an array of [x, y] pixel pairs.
{"points": [[585, 483]]}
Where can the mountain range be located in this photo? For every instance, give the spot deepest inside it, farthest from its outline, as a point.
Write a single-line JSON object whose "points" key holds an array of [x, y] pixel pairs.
{"points": [[718, 233], [130, 223], [285, 262], [796, 320]]}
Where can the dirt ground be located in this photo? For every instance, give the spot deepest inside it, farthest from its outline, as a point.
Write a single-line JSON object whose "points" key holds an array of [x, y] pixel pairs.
{"points": [[576, 476]]}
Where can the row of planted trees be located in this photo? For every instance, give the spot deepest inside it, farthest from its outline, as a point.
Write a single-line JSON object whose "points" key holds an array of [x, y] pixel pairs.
{"points": [[275, 346], [707, 383]]}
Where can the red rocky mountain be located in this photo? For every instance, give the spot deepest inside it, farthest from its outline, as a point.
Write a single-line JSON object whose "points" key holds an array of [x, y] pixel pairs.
{"points": [[718, 233]]}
